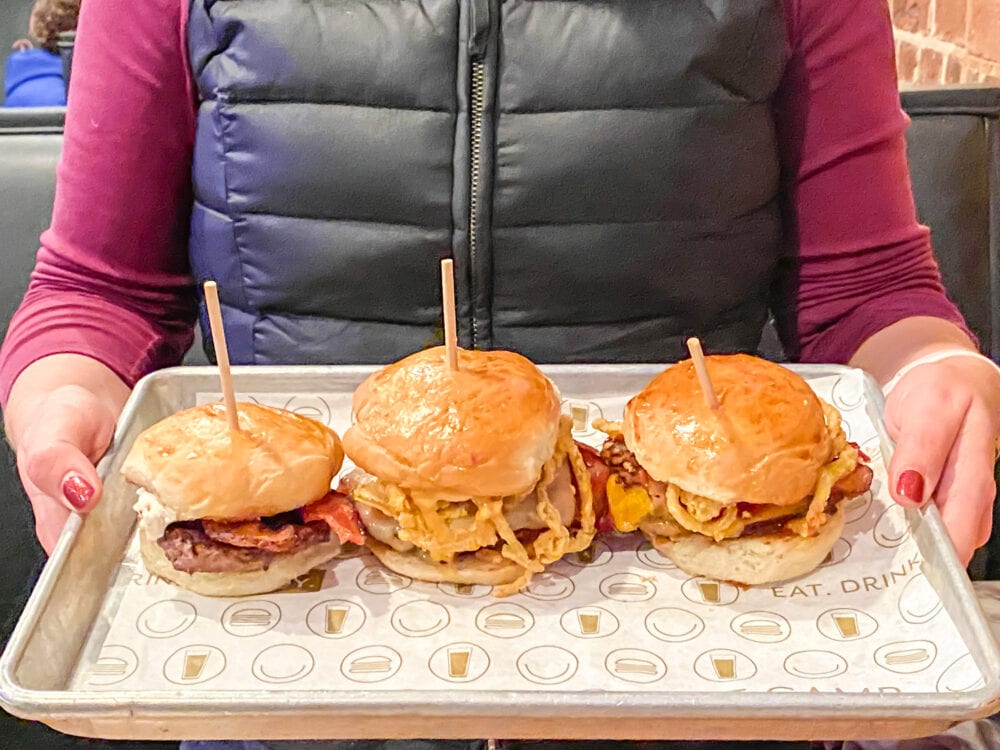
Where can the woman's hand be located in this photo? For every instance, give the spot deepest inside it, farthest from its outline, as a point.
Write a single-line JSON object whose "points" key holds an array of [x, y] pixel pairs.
{"points": [[945, 419], [60, 417]]}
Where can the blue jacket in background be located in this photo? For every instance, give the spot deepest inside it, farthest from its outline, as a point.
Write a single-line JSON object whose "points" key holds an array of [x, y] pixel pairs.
{"points": [[34, 78]]}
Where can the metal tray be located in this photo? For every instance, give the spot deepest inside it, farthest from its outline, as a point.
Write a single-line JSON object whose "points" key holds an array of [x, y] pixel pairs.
{"points": [[63, 620]]}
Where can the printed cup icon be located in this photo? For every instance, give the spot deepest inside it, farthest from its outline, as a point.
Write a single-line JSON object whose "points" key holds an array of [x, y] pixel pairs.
{"points": [[464, 590], [335, 616], [590, 621], [582, 414], [847, 624], [194, 663], [458, 662], [724, 666], [709, 592]]}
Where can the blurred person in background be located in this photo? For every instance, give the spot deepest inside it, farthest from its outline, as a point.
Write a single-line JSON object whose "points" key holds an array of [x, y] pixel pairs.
{"points": [[33, 77], [609, 177]]}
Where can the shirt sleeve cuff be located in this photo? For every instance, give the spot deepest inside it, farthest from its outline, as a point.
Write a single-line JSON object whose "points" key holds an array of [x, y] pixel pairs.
{"points": [[129, 346], [839, 341]]}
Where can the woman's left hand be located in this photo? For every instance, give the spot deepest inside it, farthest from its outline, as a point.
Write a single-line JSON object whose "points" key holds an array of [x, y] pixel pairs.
{"points": [[945, 419]]}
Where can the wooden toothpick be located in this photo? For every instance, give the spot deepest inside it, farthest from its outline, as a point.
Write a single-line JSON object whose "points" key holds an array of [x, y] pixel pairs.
{"points": [[221, 353], [448, 305], [698, 359]]}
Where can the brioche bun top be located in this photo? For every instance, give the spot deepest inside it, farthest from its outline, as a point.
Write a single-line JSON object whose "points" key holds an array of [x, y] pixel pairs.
{"points": [[765, 445], [484, 430], [198, 468]]}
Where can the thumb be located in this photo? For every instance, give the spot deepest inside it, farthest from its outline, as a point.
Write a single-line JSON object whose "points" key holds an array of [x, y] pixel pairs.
{"points": [[57, 454]]}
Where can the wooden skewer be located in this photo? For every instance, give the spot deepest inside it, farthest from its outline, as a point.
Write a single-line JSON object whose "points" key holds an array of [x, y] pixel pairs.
{"points": [[221, 353], [698, 359], [448, 304]]}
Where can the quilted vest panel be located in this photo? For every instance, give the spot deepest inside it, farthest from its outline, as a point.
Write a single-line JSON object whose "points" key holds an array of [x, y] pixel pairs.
{"points": [[616, 162]]}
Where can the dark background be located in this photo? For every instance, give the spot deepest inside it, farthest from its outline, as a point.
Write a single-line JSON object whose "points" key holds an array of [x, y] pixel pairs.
{"points": [[14, 15]]}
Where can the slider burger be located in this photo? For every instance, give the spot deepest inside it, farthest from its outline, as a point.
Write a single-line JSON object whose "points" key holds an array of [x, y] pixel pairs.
{"points": [[469, 475], [231, 514], [749, 493]]}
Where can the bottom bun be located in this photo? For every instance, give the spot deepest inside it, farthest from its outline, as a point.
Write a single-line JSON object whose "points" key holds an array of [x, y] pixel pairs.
{"points": [[469, 569], [751, 560], [283, 570]]}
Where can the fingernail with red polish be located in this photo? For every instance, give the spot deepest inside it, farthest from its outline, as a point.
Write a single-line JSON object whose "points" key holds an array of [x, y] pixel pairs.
{"points": [[77, 491], [911, 486]]}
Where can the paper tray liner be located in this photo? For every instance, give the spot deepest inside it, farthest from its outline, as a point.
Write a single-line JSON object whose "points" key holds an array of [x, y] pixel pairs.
{"points": [[617, 619]]}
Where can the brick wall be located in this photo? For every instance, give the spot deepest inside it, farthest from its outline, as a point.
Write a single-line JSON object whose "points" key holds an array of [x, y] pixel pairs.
{"points": [[947, 41]]}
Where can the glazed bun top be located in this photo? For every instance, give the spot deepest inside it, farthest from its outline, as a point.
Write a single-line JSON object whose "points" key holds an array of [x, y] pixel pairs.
{"points": [[484, 430], [765, 445], [195, 466]]}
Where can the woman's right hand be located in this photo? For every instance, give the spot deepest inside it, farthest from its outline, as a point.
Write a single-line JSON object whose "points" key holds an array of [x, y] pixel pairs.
{"points": [[60, 418]]}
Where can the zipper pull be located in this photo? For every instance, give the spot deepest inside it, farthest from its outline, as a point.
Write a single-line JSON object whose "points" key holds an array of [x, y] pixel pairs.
{"points": [[479, 27]]}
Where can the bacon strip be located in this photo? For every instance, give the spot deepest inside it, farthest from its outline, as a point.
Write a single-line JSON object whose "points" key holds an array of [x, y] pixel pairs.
{"points": [[851, 485], [599, 472], [258, 535]]}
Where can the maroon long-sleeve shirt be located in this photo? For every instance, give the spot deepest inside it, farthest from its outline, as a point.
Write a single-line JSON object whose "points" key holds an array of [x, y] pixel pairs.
{"points": [[112, 279]]}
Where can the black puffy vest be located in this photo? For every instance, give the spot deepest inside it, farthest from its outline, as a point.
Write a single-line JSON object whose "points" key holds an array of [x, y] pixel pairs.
{"points": [[615, 159]]}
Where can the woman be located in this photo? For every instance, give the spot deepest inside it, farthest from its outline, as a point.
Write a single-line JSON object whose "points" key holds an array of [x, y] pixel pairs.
{"points": [[608, 178]]}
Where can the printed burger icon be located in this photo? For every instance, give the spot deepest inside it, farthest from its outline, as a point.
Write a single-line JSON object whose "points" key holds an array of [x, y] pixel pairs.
{"points": [[504, 621], [633, 665], [373, 663]]}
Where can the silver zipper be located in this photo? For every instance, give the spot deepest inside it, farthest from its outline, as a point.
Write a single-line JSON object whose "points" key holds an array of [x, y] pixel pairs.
{"points": [[475, 157]]}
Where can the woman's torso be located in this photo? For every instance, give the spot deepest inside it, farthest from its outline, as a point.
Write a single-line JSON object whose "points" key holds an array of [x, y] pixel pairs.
{"points": [[617, 160]]}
